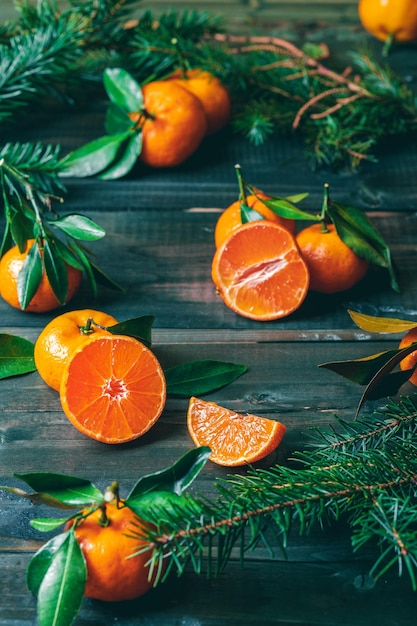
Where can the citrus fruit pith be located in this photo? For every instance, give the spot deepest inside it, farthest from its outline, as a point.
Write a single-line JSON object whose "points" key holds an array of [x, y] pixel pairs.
{"points": [[44, 299], [212, 94], [333, 266], [231, 219], [62, 335], [113, 574], [235, 439], [173, 125], [410, 360], [259, 272], [113, 389]]}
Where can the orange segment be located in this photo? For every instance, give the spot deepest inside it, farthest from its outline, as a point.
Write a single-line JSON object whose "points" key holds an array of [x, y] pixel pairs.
{"points": [[259, 272], [235, 439], [113, 389]]}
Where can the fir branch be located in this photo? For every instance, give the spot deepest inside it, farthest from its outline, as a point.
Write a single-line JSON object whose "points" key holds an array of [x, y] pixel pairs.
{"points": [[368, 477]]}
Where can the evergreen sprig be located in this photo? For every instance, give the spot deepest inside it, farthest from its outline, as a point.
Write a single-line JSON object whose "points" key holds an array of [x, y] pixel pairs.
{"points": [[29, 186], [275, 86], [366, 475]]}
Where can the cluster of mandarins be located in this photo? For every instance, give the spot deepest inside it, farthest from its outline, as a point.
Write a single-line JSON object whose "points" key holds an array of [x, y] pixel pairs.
{"points": [[263, 270], [178, 112]]}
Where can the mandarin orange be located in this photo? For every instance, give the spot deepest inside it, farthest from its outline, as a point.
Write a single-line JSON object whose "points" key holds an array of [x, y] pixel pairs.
{"points": [[211, 92], [333, 266], [411, 359], [62, 335], [113, 573], [44, 299], [259, 272], [173, 124], [235, 439], [113, 389], [231, 219]]}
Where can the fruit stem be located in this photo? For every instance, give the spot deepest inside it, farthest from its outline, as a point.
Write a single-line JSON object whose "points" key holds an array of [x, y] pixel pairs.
{"points": [[388, 44], [88, 329], [111, 493], [242, 195], [324, 208]]}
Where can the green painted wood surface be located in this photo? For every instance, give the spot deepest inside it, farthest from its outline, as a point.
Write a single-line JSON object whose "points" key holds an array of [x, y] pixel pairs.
{"points": [[159, 246]]}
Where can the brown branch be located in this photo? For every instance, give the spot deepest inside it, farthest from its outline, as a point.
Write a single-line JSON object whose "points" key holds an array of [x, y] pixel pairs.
{"points": [[313, 101]]}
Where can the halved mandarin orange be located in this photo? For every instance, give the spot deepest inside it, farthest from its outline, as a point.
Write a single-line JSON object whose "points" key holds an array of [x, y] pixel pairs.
{"points": [[259, 272], [113, 389], [234, 438]]}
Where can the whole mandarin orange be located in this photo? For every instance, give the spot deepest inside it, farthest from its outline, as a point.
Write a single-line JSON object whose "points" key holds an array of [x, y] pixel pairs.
{"points": [[173, 124], [211, 92], [231, 219], [44, 299], [333, 266], [113, 574], [411, 359], [62, 335]]}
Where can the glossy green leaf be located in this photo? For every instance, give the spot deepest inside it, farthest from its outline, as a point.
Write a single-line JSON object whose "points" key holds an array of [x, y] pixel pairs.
{"points": [[376, 387], [67, 254], [61, 591], [29, 276], [99, 276], [247, 214], [21, 229], [87, 265], [195, 378], [123, 89], [56, 271], [93, 157], [79, 226], [46, 524], [286, 209], [69, 490], [16, 356], [361, 371], [373, 324], [139, 327], [157, 506], [117, 120], [41, 560], [175, 478], [126, 160], [357, 231]]}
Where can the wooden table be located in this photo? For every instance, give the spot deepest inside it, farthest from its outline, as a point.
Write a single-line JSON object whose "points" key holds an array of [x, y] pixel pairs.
{"points": [[159, 246]]}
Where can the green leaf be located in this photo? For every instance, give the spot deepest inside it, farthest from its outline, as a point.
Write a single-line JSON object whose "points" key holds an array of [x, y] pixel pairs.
{"points": [[157, 504], [361, 371], [139, 327], [123, 89], [87, 265], [127, 159], [16, 356], [30, 276], [56, 271], [373, 324], [46, 524], [98, 276], [247, 214], [41, 560], [117, 120], [195, 378], [67, 254], [93, 157], [174, 479], [284, 207], [69, 490], [21, 229], [61, 591], [79, 227], [358, 232]]}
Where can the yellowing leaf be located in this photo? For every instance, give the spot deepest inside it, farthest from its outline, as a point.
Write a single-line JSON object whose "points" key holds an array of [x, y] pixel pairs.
{"points": [[373, 324]]}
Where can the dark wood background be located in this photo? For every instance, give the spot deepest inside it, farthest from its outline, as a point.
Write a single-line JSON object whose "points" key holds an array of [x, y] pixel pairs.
{"points": [[159, 247]]}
